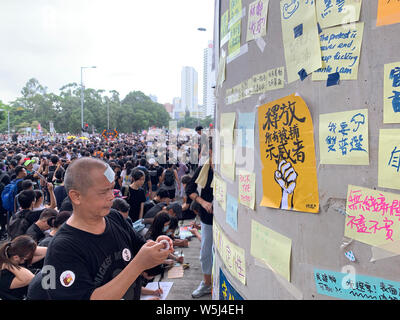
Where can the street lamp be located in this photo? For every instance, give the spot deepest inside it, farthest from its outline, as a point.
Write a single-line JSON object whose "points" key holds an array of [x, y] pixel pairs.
{"points": [[83, 93], [201, 29]]}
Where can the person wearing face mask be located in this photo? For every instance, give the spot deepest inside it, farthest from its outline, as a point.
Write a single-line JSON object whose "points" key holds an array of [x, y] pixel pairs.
{"points": [[161, 226]]}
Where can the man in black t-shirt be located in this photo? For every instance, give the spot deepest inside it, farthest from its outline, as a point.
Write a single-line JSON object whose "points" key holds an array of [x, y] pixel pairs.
{"points": [[95, 254]]}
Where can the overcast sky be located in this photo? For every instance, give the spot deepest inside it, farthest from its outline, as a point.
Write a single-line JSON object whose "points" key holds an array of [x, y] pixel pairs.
{"points": [[135, 44]]}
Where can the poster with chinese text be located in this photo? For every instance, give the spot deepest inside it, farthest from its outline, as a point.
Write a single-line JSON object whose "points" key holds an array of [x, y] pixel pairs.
{"points": [[288, 155], [247, 188], [226, 290]]}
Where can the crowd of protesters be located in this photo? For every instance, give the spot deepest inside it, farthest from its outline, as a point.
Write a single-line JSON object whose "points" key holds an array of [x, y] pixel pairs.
{"points": [[100, 216]]}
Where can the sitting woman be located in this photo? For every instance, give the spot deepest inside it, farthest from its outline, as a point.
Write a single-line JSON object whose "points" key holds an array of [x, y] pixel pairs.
{"points": [[160, 226], [14, 278]]}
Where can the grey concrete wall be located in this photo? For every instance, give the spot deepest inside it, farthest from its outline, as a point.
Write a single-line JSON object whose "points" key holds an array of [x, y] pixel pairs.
{"points": [[316, 238]]}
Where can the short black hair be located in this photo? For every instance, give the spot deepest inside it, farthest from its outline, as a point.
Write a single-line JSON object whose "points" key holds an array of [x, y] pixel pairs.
{"points": [[198, 128], [163, 193], [26, 184], [120, 205], [25, 198], [18, 169]]}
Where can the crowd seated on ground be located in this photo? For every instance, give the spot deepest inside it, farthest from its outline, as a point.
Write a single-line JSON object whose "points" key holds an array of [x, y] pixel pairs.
{"points": [[148, 193]]}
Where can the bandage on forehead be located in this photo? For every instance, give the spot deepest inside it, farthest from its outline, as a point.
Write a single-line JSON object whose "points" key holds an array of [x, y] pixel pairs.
{"points": [[109, 174]]}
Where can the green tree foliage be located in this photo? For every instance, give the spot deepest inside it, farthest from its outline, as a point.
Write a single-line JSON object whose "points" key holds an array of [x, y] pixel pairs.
{"points": [[134, 113]]}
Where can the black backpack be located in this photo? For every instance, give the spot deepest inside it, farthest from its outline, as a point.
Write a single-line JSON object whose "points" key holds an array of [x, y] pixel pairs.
{"points": [[169, 178], [18, 224]]}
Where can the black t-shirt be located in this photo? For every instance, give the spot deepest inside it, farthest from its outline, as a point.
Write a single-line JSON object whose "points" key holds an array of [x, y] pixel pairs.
{"points": [[6, 278], [206, 194], [35, 232], [153, 211], [135, 199], [60, 194], [84, 261]]}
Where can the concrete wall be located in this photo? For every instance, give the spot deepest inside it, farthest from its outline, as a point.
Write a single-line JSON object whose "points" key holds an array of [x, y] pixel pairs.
{"points": [[316, 238]]}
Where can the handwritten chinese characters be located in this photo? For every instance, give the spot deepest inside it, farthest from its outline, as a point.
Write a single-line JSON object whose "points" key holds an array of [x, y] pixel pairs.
{"points": [[334, 12], [343, 137], [389, 159], [372, 216], [391, 93], [355, 286], [232, 255], [288, 155], [247, 186], [257, 19]]}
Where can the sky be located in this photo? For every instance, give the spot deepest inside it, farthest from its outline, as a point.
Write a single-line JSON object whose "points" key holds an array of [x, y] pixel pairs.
{"points": [[136, 45]]}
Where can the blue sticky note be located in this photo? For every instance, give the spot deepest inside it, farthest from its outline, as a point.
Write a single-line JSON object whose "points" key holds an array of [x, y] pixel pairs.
{"points": [[303, 74], [246, 129], [231, 211], [354, 286], [333, 79], [319, 28], [298, 31]]}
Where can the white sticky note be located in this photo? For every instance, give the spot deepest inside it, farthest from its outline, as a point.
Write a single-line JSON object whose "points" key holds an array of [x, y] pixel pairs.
{"points": [[109, 174]]}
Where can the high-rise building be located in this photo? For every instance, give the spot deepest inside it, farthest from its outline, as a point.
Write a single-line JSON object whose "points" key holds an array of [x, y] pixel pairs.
{"points": [[208, 74], [189, 89], [153, 98]]}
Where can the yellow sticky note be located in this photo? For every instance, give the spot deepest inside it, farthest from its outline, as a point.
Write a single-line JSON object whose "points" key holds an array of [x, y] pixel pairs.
{"points": [[341, 48], [373, 217], [227, 126], [271, 247], [388, 12], [232, 255], [228, 161], [333, 13], [235, 7], [391, 93], [300, 37], [234, 40], [343, 137], [389, 159], [257, 19], [288, 155], [247, 188], [220, 191], [224, 27]]}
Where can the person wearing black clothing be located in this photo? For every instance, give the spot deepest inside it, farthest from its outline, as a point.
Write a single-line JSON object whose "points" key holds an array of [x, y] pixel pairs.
{"points": [[36, 230], [136, 195], [14, 277], [96, 254], [203, 176]]}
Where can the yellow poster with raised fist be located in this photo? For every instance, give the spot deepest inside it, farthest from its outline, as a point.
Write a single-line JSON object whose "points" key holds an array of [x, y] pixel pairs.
{"points": [[288, 155]]}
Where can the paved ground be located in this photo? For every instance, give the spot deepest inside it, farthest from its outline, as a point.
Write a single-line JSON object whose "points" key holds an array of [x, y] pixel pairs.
{"points": [[183, 287]]}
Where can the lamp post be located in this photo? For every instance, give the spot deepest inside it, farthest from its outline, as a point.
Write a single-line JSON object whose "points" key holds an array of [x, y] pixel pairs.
{"points": [[82, 93], [201, 29]]}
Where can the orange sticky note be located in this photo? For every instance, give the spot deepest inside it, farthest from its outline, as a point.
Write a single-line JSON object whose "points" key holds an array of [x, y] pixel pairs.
{"points": [[388, 12]]}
